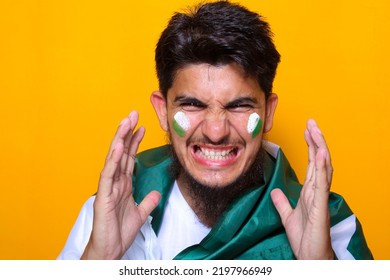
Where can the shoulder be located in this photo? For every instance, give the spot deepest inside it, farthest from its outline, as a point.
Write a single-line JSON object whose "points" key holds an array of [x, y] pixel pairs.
{"points": [[153, 157], [152, 172], [152, 168]]}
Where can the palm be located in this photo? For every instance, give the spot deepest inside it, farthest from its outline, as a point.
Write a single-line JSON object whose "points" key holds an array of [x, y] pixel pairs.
{"points": [[308, 225], [117, 219]]}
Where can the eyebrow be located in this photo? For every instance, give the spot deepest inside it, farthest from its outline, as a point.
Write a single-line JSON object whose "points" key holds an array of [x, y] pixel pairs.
{"points": [[233, 103], [241, 100], [187, 99], [182, 97]]}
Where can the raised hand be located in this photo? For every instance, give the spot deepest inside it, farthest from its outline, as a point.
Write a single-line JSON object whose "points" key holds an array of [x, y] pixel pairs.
{"points": [[117, 219], [308, 225]]}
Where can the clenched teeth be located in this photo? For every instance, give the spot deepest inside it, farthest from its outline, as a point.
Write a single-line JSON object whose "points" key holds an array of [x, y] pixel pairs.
{"points": [[216, 154]]}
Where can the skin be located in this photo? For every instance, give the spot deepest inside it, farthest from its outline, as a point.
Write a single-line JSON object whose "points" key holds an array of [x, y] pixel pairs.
{"points": [[257, 128], [218, 101], [180, 130], [117, 219], [308, 225]]}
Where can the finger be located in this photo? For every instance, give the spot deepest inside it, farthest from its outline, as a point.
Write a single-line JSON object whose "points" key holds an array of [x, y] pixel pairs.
{"points": [[310, 171], [282, 204], [135, 141], [322, 185], [320, 142], [317, 136], [148, 204], [110, 168], [120, 135], [133, 117]]}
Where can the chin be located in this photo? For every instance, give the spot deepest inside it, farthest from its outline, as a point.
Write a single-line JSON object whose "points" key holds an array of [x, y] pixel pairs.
{"points": [[215, 182], [213, 179]]}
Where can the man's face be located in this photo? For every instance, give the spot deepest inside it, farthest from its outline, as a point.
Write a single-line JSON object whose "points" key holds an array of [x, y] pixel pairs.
{"points": [[216, 102]]}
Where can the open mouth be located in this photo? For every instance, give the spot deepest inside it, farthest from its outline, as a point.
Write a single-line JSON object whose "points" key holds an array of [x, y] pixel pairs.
{"points": [[215, 154]]}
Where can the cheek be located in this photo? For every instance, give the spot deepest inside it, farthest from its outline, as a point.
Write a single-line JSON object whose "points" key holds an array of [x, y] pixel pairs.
{"points": [[254, 125], [181, 123]]}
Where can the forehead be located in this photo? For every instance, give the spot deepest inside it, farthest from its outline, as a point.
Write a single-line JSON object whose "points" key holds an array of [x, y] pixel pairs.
{"points": [[208, 82]]}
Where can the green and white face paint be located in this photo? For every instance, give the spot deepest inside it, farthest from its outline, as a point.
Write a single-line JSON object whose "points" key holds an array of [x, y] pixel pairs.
{"points": [[181, 123], [254, 124]]}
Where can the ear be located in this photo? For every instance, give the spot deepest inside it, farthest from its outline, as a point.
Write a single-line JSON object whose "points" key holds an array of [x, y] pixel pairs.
{"points": [[272, 101], [160, 107]]}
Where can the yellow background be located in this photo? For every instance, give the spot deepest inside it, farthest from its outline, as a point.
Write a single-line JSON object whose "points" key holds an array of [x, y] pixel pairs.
{"points": [[71, 70]]}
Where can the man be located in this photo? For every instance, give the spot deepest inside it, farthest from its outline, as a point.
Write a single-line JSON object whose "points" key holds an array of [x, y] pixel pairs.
{"points": [[218, 191]]}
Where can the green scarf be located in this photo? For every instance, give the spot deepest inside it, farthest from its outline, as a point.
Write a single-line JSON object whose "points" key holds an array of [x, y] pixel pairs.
{"points": [[251, 227]]}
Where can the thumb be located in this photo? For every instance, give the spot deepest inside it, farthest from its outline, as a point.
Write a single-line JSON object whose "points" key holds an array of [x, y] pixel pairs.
{"points": [[281, 204], [148, 204]]}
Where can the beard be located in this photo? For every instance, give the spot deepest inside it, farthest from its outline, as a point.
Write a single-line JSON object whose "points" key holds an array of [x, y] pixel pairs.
{"points": [[210, 202]]}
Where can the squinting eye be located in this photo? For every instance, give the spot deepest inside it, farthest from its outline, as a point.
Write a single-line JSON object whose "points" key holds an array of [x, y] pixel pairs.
{"points": [[240, 107], [188, 104], [192, 106]]}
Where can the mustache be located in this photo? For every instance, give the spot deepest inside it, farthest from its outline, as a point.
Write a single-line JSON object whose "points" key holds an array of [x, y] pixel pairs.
{"points": [[225, 141]]}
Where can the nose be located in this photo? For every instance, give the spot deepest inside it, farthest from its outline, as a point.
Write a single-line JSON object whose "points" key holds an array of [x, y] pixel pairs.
{"points": [[215, 127]]}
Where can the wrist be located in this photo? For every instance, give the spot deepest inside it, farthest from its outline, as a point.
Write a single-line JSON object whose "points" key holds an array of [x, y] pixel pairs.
{"points": [[89, 254]]}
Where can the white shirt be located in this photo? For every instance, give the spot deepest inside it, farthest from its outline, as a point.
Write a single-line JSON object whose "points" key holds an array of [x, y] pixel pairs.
{"points": [[180, 224], [180, 229]]}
